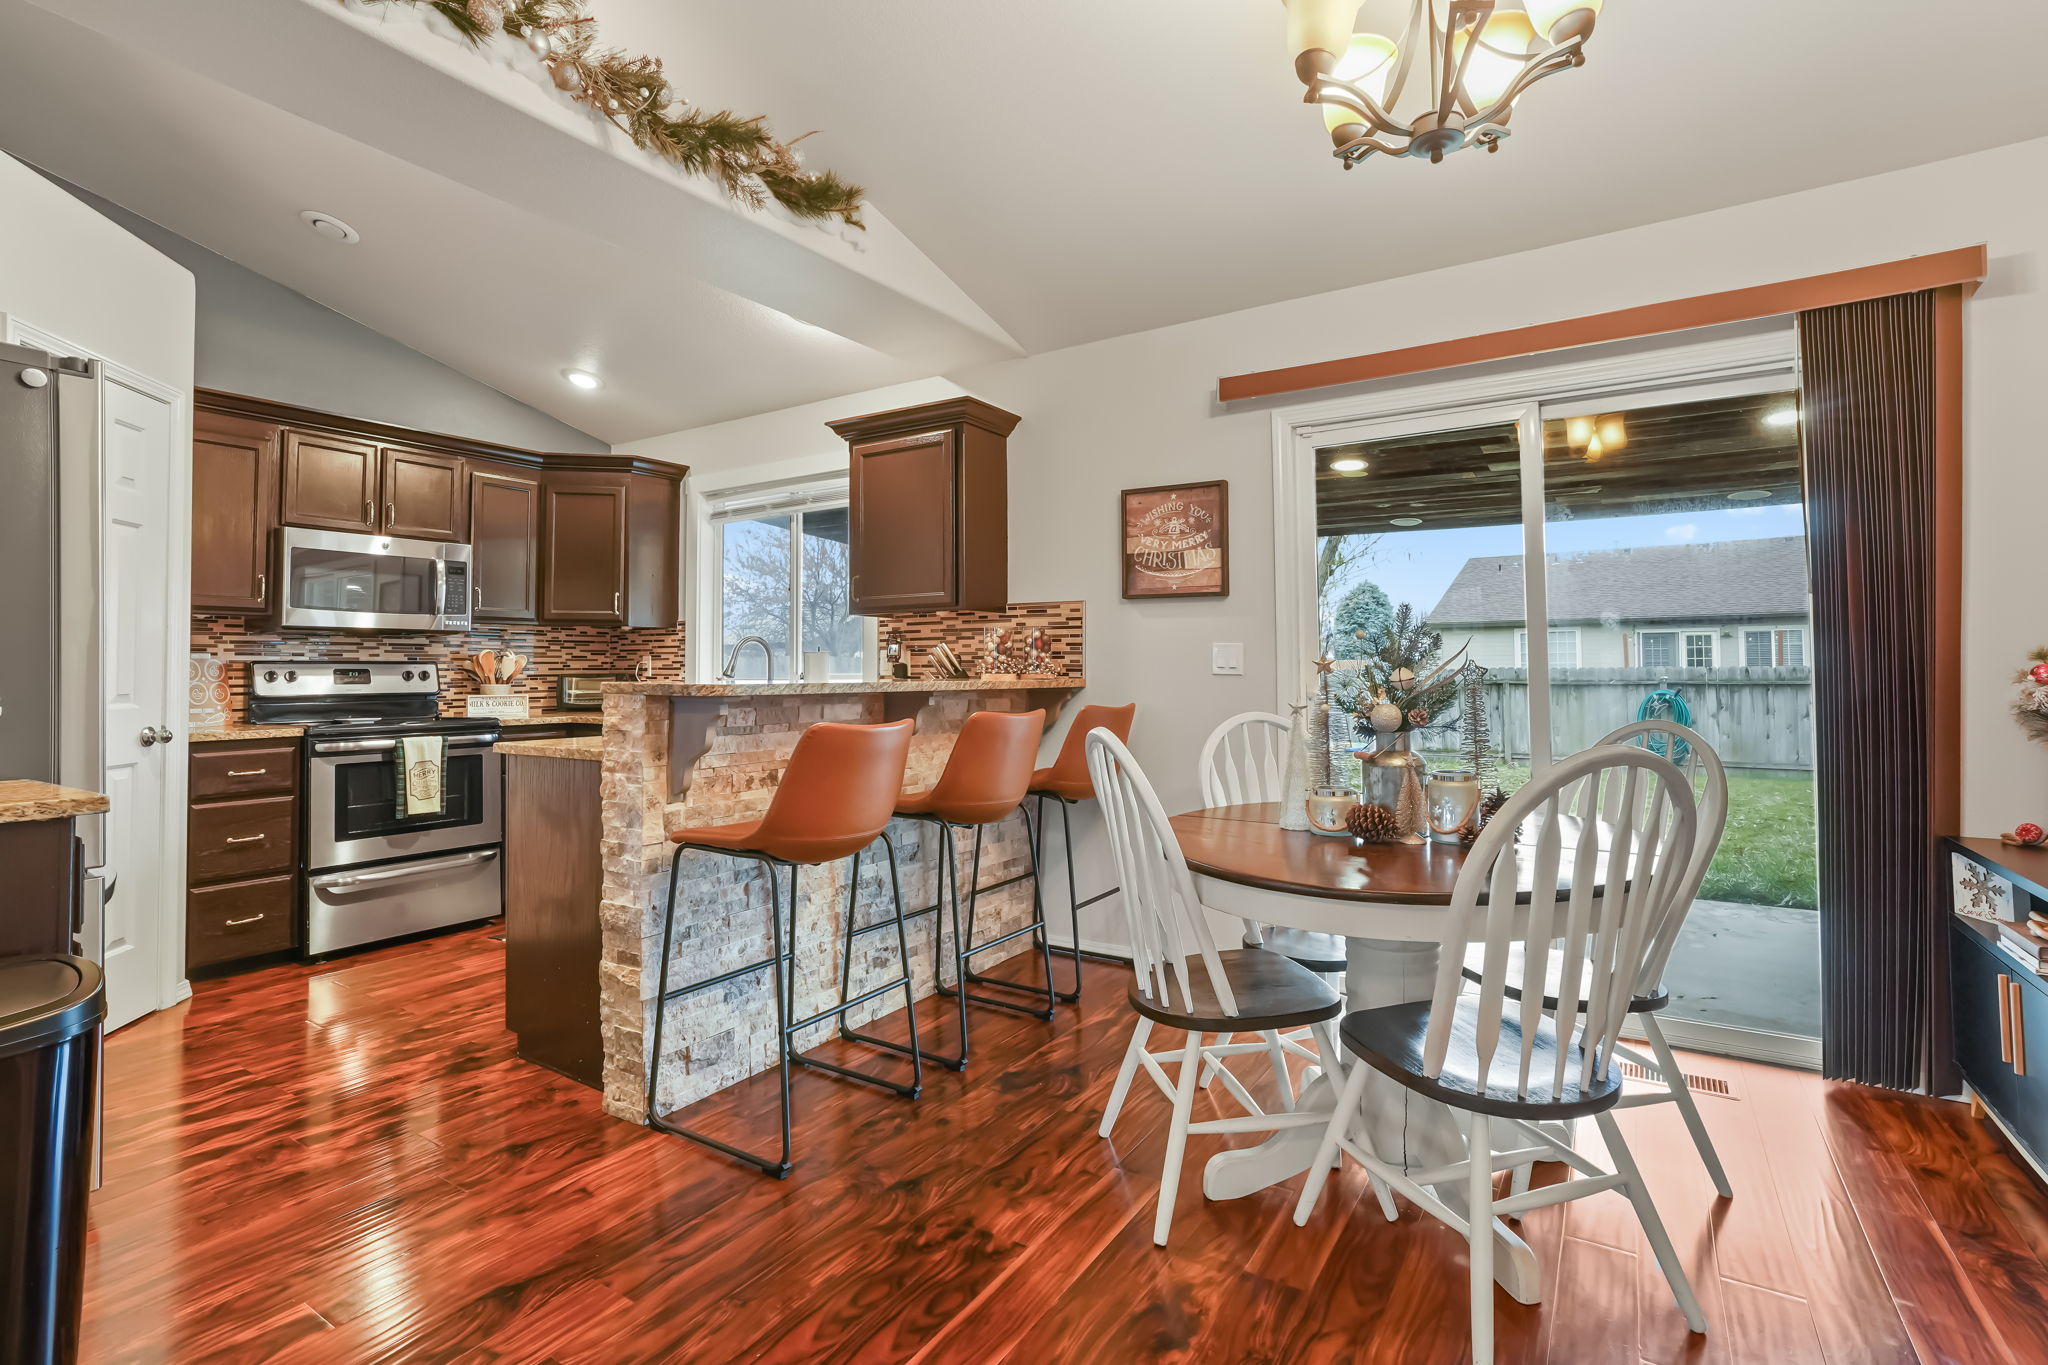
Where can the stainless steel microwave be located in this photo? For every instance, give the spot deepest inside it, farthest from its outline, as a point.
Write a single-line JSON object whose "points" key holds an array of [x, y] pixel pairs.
{"points": [[342, 580]]}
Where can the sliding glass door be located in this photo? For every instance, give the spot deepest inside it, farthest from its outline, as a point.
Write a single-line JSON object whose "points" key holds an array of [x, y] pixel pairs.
{"points": [[1602, 559]]}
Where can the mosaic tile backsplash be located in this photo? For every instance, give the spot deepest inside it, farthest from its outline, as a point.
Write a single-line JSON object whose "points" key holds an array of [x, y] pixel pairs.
{"points": [[551, 650], [232, 641], [1063, 623]]}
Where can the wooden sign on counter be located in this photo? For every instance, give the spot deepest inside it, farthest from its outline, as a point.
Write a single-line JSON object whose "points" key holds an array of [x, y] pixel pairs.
{"points": [[511, 706]]}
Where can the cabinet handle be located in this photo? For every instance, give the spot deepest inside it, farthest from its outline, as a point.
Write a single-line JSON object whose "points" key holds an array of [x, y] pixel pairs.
{"points": [[249, 920], [247, 772], [390, 515], [477, 593], [2005, 1018], [245, 838], [2019, 1030], [370, 510], [616, 611], [262, 586]]}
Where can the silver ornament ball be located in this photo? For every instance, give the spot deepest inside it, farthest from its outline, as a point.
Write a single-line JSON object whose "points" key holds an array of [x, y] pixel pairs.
{"points": [[537, 42]]}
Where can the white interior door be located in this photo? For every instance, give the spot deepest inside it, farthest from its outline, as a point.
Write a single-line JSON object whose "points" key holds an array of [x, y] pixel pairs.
{"points": [[137, 599]]}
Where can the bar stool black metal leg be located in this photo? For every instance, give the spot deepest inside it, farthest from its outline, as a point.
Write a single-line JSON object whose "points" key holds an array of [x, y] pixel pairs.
{"points": [[912, 1051], [1073, 892], [948, 877], [1036, 928], [777, 1168]]}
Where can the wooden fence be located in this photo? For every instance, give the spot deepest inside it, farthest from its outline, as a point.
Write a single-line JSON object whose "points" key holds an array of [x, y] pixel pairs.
{"points": [[1758, 719]]}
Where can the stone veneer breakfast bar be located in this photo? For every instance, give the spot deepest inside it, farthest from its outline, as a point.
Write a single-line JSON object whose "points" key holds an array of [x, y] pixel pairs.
{"points": [[686, 754]]}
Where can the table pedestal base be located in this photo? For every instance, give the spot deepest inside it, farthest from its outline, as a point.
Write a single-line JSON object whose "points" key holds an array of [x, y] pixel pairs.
{"points": [[1404, 1127]]}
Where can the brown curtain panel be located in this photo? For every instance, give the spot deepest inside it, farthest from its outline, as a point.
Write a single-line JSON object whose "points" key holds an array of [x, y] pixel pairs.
{"points": [[1869, 412]]}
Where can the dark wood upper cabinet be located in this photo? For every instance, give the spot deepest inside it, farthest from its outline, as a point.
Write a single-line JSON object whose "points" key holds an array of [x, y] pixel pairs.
{"points": [[589, 539], [330, 482], [608, 549], [929, 495], [424, 496], [234, 510], [583, 548], [504, 545]]}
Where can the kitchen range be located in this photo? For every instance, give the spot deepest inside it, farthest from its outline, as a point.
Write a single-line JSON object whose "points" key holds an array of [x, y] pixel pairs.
{"points": [[370, 870]]}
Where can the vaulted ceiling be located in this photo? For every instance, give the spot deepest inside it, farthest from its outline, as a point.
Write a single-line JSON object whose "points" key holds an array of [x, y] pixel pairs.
{"points": [[1044, 173]]}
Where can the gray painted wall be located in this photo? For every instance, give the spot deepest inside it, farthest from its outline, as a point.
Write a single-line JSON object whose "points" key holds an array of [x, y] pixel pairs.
{"points": [[257, 337]]}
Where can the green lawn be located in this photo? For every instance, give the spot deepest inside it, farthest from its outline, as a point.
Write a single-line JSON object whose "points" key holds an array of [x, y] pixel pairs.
{"points": [[1767, 854]]}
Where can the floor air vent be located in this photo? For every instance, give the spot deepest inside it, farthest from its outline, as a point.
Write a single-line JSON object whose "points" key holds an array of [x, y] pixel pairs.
{"points": [[1700, 1085]]}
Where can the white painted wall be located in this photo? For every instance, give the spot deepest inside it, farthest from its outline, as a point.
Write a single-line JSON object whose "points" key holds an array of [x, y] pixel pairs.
{"points": [[71, 272], [1141, 409]]}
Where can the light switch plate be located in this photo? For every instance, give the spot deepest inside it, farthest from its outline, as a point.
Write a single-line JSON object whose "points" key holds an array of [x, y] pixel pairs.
{"points": [[1226, 660]]}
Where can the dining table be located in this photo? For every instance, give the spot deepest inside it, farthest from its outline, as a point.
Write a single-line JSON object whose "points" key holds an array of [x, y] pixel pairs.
{"points": [[1389, 902]]}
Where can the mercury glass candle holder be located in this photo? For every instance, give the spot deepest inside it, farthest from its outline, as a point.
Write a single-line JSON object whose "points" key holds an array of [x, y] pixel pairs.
{"points": [[1453, 803], [1328, 808]]}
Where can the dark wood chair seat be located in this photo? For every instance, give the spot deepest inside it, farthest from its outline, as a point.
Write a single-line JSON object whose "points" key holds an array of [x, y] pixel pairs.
{"points": [[1318, 952], [1390, 1039], [1272, 992], [1553, 976]]}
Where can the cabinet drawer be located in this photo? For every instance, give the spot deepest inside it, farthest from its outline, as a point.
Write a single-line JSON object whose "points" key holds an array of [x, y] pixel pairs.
{"points": [[237, 840], [241, 919], [268, 771]]}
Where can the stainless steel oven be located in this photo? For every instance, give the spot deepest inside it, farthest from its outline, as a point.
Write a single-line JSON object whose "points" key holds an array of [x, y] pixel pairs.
{"points": [[352, 801], [341, 580], [370, 873]]}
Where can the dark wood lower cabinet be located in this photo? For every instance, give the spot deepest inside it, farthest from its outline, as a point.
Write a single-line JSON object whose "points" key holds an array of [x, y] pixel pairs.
{"points": [[553, 881], [39, 913], [240, 919], [242, 851]]}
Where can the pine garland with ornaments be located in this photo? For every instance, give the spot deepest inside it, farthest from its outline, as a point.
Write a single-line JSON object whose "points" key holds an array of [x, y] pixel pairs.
{"points": [[2031, 709], [634, 95]]}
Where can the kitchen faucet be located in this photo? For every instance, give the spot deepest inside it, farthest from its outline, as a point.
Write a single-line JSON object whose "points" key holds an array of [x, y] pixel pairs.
{"points": [[732, 660]]}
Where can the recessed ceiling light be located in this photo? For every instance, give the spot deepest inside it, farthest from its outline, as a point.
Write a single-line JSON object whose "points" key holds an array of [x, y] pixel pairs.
{"points": [[1406, 521], [1749, 495], [1782, 417], [330, 227], [583, 379], [1349, 464]]}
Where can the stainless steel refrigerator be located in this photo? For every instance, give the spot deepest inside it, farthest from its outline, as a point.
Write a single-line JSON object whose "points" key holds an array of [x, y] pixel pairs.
{"points": [[52, 709]]}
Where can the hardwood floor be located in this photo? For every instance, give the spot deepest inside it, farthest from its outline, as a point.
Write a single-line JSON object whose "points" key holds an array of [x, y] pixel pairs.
{"points": [[347, 1163]]}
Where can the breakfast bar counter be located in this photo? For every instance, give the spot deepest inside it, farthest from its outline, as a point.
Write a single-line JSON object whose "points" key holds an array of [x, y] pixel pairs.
{"points": [[678, 755]]}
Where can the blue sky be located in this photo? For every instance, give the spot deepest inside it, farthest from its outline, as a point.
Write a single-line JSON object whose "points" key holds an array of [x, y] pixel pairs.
{"points": [[1416, 566]]}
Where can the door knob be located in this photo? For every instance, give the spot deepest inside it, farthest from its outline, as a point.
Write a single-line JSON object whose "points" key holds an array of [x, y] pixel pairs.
{"points": [[154, 735]]}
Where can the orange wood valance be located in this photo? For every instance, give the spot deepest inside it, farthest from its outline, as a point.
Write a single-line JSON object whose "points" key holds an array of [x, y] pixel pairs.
{"points": [[1964, 265]]}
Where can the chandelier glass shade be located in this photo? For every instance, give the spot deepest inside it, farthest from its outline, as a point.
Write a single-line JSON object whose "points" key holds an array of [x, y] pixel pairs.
{"points": [[1428, 77]]}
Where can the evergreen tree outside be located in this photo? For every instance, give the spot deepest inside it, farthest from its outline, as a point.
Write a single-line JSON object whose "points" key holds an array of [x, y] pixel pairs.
{"points": [[1364, 608]]}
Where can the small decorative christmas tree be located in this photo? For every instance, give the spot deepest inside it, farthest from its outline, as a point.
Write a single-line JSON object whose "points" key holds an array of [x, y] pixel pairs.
{"points": [[1478, 738]]}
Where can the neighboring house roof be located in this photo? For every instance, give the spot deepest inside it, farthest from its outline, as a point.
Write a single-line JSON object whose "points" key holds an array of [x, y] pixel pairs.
{"points": [[1711, 581]]}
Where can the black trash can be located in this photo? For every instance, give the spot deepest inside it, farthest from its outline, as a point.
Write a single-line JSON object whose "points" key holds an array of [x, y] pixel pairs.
{"points": [[50, 1013]]}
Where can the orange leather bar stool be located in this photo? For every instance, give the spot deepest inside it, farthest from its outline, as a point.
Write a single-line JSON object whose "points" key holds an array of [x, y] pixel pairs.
{"points": [[1068, 783], [836, 797], [985, 779]]}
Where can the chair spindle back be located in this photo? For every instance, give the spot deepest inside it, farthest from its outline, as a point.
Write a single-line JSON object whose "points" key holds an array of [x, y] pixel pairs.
{"points": [[1614, 827], [1167, 922]]}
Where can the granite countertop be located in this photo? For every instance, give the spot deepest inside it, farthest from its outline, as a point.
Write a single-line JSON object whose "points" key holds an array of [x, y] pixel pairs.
{"points": [[842, 689], [294, 731], [22, 800], [587, 747]]}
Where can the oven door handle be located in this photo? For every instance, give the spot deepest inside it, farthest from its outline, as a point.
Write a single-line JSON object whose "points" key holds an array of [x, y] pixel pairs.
{"points": [[342, 881], [322, 748]]}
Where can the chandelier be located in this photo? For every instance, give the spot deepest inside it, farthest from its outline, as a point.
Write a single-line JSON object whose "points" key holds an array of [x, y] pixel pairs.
{"points": [[1443, 78]]}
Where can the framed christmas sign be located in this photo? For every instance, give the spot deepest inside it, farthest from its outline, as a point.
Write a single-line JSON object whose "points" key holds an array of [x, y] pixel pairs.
{"points": [[1176, 540]]}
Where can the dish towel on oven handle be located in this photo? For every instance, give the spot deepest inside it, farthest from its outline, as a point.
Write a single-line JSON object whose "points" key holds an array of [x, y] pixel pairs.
{"points": [[422, 775]]}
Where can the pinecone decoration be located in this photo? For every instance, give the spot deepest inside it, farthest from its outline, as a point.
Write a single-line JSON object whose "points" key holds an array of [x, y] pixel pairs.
{"points": [[1491, 803], [1373, 824]]}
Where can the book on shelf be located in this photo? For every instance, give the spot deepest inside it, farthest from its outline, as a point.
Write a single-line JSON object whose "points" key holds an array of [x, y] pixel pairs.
{"points": [[2025, 943]]}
